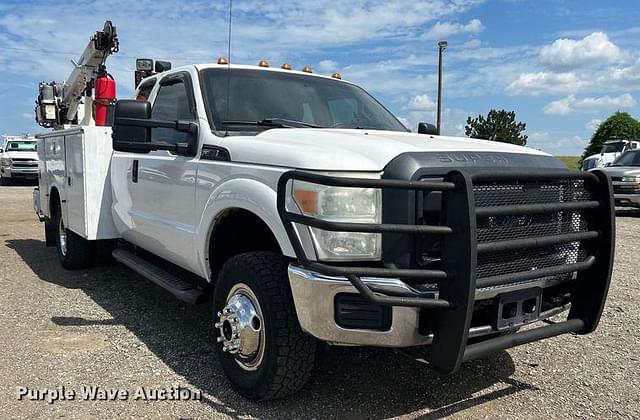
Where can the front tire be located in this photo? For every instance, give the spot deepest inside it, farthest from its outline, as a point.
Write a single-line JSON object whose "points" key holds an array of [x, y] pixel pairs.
{"points": [[74, 251], [4, 181], [266, 354]]}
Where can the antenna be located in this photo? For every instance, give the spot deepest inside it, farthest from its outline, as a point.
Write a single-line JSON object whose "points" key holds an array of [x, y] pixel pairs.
{"points": [[229, 64]]}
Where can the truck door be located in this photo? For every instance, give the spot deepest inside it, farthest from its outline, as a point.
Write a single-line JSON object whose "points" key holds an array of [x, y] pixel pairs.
{"points": [[162, 184]]}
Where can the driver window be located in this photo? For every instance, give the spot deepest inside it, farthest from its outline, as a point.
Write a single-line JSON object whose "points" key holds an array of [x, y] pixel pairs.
{"points": [[172, 103]]}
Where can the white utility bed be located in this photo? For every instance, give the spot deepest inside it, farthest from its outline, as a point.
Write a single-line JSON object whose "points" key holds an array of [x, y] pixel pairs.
{"points": [[76, 162]]}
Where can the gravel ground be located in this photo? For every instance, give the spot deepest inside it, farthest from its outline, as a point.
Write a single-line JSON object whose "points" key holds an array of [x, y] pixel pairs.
{"points": [[108, 327]]}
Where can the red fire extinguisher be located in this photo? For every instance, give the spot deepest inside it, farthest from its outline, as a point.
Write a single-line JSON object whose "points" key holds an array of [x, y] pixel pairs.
{"points": [[105, 97]]}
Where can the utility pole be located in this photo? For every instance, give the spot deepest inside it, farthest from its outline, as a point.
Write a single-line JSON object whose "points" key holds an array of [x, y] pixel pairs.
{"points": [[442, 45]]}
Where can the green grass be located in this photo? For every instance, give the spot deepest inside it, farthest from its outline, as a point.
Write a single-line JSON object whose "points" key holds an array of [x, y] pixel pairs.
{"points": [[572, 162]]}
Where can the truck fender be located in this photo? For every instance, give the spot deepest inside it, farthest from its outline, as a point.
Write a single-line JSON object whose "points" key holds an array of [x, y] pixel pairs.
{"points": [[59, 189], [246, 194]]}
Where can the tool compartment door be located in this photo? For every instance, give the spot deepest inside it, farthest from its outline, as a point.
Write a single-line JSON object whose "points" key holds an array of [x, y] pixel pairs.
{"points": [[75, 183]]}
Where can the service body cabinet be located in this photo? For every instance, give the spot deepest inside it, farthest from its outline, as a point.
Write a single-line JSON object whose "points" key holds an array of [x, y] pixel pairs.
{"points": [[76, 162]]}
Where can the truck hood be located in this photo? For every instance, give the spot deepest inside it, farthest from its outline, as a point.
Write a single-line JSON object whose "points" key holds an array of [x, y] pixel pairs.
{"points": [[21, 155], [619, 171], [349, 150]]}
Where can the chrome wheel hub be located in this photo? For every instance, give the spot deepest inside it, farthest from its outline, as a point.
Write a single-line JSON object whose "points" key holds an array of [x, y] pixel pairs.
{"points": [[241, 328], [62, 232]]}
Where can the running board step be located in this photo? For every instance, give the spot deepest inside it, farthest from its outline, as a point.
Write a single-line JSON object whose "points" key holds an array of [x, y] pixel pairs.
{"points": [[183, 290]]}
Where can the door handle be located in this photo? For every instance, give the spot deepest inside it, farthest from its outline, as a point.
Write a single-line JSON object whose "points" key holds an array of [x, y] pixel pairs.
{"points": [[134, 171]]}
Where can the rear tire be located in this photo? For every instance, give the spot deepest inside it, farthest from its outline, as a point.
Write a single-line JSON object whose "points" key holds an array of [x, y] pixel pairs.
{"points": [[286, 358], [74, 251]]}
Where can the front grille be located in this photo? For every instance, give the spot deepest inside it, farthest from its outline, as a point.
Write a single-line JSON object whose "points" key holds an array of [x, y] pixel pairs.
{"points": [[626, 189], [524, 226], [520, 226], [25, 164]]}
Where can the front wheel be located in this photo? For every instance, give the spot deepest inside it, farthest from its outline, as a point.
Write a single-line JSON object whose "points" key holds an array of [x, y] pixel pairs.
{"points": [[74, 251], [263, 351]]}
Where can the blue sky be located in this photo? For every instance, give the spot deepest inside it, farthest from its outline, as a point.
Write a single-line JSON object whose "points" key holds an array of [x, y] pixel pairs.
{"points": [[562, 65]]}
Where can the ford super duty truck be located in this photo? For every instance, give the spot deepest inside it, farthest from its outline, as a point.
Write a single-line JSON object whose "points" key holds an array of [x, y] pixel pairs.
{"points": [[311, 214]]}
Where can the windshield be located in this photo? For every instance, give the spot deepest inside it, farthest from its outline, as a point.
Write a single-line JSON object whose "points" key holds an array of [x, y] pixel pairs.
{"points": [[284, 98], [628, 159], [21, 146], [612, 147]]}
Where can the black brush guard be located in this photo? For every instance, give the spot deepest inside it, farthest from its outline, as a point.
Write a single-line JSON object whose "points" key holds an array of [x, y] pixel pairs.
{"points": [[456, 280]]}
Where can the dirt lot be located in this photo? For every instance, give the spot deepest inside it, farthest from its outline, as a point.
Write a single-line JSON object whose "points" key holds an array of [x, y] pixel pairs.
{"points": [[108, 327]]}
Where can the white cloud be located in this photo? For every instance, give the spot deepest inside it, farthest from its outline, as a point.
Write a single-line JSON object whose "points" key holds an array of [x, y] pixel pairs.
{"points": [[446, 29], [595, 48], [571, 104], [327, 66], [545, 83], [421, 103], [556, 145], [593, 124]]}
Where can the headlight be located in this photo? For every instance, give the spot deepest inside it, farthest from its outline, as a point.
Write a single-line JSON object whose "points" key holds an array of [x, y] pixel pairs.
{"points": [[6, 161], [340, 204], [635, 179]]}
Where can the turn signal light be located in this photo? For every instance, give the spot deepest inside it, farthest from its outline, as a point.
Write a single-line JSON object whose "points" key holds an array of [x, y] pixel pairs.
{"points": [[336, 75], [222, 60], [263, 63], [286, 66], [307, 69]]}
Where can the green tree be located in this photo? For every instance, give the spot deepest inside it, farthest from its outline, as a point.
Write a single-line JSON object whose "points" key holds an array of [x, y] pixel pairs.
{"points": [[620, 125], [497, 126]]}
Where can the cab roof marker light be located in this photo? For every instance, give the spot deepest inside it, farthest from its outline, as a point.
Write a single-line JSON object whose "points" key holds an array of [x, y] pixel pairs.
{"points": [[222, 60], [286, 66], [337, 75], [307, 69]]}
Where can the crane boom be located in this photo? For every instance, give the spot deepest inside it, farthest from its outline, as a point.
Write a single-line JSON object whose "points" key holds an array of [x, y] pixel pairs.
{"points": [[57, 103]]}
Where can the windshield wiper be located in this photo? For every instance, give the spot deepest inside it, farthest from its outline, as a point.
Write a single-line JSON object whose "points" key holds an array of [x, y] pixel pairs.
{"points": [[274, 122]]}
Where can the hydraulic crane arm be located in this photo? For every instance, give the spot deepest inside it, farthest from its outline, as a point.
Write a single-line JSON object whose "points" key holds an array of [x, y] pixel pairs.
{"points": [[57, 104]]}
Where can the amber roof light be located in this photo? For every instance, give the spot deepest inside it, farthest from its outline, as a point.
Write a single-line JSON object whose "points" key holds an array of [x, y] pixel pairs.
{"points": [[263, 63], [336, 75], [307, 69], [222, 60], [286, 66]]}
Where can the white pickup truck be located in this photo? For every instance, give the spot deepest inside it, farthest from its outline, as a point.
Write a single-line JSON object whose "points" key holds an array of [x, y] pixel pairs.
{"points": [[18, 159], [310, 213]]}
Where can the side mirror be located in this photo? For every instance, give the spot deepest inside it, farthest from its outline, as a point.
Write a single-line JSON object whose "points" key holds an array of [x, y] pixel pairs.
{"points": [[426, 128], [132, 130], [126, 130], [162, 66], [1, 151]]}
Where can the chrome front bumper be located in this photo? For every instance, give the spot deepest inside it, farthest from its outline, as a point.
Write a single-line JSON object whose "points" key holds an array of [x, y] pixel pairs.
{"points": [[314, 296], [23, 172]]}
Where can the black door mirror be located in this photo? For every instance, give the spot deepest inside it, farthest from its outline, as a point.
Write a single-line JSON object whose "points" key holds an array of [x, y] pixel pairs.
{"points": [[129, 134], [426, 128], [132, 130], [162, 66]]}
